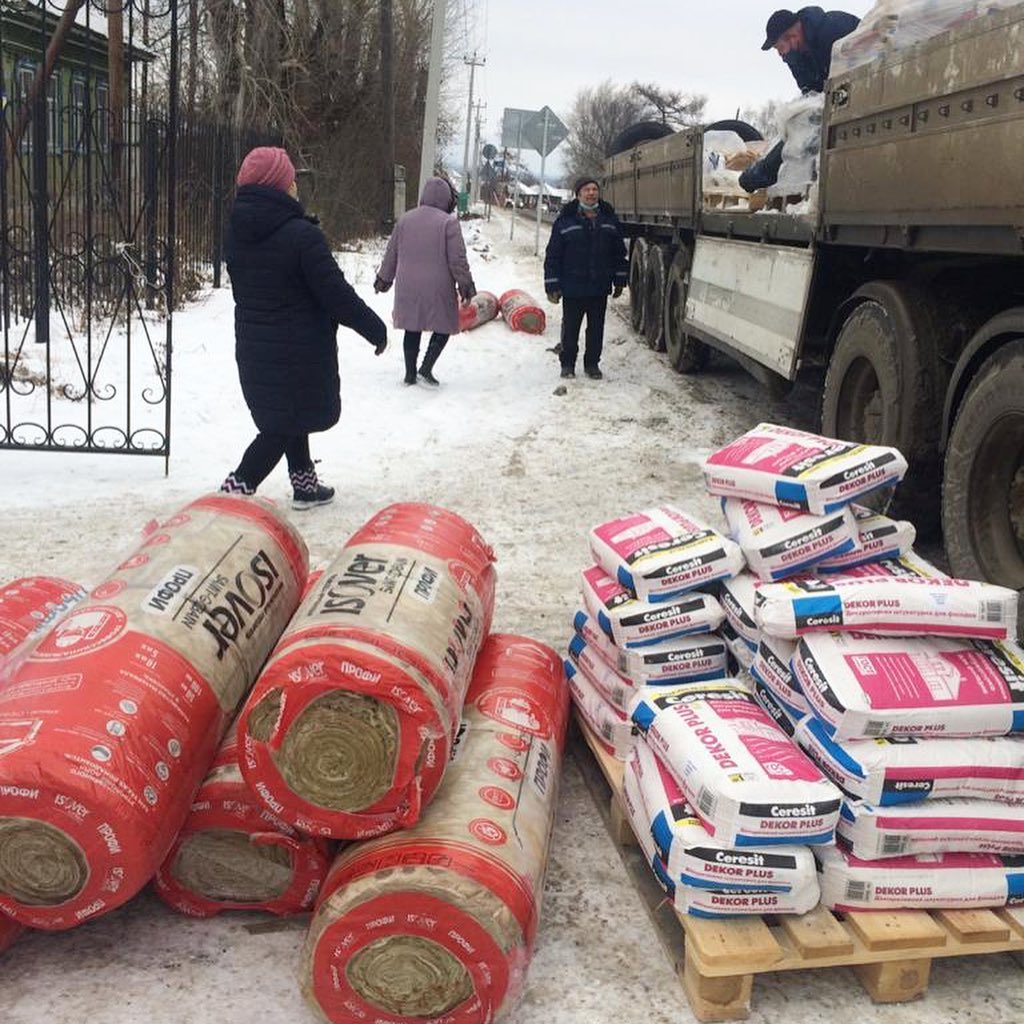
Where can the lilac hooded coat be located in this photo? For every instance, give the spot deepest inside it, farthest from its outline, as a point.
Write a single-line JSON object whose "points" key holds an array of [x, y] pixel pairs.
{"points": [[426, 257]]}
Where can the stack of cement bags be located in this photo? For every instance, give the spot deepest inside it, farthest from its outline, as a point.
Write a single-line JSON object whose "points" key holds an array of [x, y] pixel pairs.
{"points": [[904, 686]]}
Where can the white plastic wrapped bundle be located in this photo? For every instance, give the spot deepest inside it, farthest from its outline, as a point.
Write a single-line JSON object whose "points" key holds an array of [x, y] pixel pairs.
{"points": [[800, 124], [877, 537], [699, 900], [612, 728], [861, 686], [783, 466], [633, 623], [893, 25], [943, 880], [942, 825], [892, 606], [693, 856], [778, 542], [684, 659], [888, 771], [771, 667], [662, 552], [747, 780]]}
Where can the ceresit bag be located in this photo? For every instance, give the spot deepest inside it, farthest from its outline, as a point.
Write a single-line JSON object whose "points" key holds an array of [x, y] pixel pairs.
{"points": [[662, 552], [939, 880], [616, 689], [888, 770], [691, 853], [633, 623], [699, 900], [862, 686], [737, 646], [783, 466], [878, 537], [747, 780], [771, 667], [778, 542], [704, 656], [941, 825], [907, 564], [737, 600], [889, 606], [28, 608], [611, 727]]}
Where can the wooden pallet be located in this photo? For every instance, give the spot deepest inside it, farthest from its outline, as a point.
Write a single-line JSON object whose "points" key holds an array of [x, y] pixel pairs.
{"points": [[779, 203], [742, 202], [890, 952]]}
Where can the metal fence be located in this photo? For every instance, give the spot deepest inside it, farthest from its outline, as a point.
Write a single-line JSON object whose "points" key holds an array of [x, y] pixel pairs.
{"points": [[111, 212]]}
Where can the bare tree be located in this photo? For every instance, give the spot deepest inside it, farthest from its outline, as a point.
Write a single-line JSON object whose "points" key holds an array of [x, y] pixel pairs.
{"points": [[764, 118], [601, 113]]}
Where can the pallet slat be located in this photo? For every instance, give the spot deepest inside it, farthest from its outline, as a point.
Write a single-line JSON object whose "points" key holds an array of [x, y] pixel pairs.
{"points": [[900, 929], [816, 934], [975, 925]]}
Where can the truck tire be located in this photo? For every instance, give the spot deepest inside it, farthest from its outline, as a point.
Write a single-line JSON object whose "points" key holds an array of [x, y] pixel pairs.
{"points": [[746, 132], [654, 298], [983, 482], [642, 131], [685, 353], [637, 272], [884, 385]]}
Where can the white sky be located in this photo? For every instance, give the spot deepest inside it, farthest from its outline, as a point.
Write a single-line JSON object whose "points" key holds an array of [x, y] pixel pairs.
{"points": [[542, 52]]}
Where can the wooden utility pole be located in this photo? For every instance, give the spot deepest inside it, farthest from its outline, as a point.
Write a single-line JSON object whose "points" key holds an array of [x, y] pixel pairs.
{"points": [[387, 110]]}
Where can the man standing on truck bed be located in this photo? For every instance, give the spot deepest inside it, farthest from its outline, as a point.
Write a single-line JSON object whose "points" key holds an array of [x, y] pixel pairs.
{"points": [[584, 261], [804, 41]]}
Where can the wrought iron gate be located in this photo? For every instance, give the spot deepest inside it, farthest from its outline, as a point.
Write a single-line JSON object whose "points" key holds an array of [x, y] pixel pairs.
{"points": [[89, 197]]}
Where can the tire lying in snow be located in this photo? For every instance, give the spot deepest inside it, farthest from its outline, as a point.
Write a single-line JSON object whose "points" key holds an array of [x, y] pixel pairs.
{"points": [[347, 731], [110, 722], [437, 922]]}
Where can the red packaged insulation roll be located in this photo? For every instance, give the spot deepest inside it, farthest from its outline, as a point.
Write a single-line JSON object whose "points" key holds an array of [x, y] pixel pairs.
{"points": [[235, 854], [480, 309], [348, 729], [9, 932], [28, 607], [437, 922], [521, 312], [110, 722]]}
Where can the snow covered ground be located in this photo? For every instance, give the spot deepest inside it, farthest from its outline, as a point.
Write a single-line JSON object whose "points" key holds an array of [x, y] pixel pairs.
{"points": [[532, 465]]}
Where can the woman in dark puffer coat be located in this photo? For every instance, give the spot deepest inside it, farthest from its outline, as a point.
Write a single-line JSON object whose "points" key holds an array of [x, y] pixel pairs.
{"points": [[290, 297]]}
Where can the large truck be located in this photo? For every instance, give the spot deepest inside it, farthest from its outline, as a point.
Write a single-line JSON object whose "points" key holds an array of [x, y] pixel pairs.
{"points": [[906, 283]]}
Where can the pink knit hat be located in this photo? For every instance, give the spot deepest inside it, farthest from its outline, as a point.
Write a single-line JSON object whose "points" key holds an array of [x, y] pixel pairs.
{"points": [[267, 165]]}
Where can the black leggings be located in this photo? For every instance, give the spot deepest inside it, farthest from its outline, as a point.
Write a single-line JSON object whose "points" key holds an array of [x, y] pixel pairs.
{"points": [[411, 346], [265, 453]]}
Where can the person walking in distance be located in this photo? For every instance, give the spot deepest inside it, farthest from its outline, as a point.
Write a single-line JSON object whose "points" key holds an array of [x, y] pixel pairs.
{"points": [[290, 297], [584, 261], [427, 257]]}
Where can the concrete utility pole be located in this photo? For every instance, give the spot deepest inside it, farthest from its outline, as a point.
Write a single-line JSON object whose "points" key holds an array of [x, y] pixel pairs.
{"points": [[428, 150], [473, 65], [476, 153]]}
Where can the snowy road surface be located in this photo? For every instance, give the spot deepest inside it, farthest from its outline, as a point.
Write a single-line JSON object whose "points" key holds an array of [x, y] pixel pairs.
{"points": [[532, 469]]}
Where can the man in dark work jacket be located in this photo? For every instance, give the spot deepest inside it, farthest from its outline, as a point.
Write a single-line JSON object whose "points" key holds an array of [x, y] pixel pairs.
{"points": [[804, 41]]}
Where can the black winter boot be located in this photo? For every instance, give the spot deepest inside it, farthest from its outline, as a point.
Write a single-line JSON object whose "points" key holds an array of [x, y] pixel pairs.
{"points": [[307, 491], [434, 349], [234, 484]]}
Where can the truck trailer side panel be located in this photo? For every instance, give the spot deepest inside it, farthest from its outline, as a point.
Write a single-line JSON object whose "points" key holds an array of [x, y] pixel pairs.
{"points": [[750, 297]]}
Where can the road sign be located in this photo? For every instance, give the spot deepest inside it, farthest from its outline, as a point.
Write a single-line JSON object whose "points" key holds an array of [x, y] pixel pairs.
{"points": [[513, 123], [544, 137], [489, 152]]}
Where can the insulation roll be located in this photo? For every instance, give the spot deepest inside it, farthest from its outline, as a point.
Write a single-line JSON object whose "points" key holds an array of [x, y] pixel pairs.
{"points": [[110, 722], [235, 854], [521, 312], [480, 309], [437, 922], [348, 729], [28, 607]]}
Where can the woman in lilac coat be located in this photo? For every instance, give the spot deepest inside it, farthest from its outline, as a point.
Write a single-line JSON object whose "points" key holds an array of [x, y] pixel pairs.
{"points": [[427, 256]]}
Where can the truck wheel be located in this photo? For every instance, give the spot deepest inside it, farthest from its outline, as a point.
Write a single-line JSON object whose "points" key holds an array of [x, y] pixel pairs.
{"points": [[654, 298], [685, 353], [983, 485], [637, 272], [883, 387]]}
